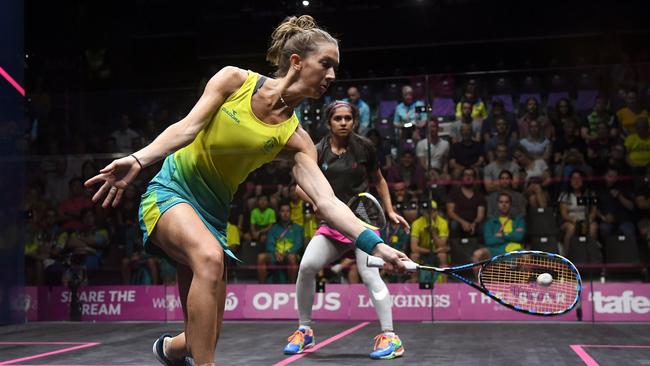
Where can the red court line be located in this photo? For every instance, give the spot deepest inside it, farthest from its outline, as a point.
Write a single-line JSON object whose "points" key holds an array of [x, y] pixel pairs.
{"points": [[584, 356], [11, 81], [40, 355], [579, 349], [322, 344]]}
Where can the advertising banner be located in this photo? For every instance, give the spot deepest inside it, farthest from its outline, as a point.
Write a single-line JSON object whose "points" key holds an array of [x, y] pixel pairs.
{"points": [[616, 302], [453, 301]]}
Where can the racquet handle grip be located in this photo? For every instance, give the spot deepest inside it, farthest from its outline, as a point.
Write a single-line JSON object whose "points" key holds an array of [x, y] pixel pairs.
{"points": [[376, 262]]}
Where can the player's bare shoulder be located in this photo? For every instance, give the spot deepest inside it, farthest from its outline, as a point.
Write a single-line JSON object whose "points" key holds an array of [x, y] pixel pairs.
{"points": [[227, 81]]}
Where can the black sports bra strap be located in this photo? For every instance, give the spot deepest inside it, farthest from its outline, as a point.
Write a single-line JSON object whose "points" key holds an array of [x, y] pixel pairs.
{"points": [[260, 81]]}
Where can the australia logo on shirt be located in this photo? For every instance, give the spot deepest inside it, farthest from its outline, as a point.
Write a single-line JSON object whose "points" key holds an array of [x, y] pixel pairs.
{"points": [[231, 113], [268, 146]]}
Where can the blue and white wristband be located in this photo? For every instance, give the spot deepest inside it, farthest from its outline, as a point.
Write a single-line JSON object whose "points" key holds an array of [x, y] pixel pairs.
{"points": [[367, 241]]}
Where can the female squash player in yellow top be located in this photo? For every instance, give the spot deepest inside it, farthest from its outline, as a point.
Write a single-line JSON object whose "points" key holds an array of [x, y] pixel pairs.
{"points": [[241, 121]]}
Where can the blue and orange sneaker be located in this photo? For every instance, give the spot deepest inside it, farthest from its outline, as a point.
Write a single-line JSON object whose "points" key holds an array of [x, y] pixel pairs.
{"points": [[299, 341], [160, 354], [387, 347]]}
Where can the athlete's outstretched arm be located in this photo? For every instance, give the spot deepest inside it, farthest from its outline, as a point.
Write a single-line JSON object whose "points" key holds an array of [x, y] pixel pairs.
{"points": [[217, 90], [317, 188], [119, 173]]}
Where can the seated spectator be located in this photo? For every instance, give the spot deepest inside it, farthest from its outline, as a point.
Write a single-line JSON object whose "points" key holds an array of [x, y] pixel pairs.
{"points": [[537, 145], [130, 243], [563, 111], [505, 232], [465, 154], [600, 114], [466, 118], [638, 146], [42, 235], [642, 203], [124, 135], [297, 206], [479, 110], [537, 178], [284, 242], [383, 152], [70, 209], [598, 149], [502, 161], [354, 97], [433, 151], [302, 214], [409, 172], [234, 226], [34, 205], [574, 160], [408, 118], [569, 141], [617, 158], [88, 242], [533, 114], [466, 206], [573, 215], [501, 137], [517, 200], [399, 193], [630, 114], [489, 127], [271, 179], [429, 235], [262, 218], [615, 207], [407, 205]]}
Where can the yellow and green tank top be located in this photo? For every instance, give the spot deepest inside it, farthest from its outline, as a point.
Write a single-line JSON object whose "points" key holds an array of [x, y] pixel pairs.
{"points": [[233, 144]]}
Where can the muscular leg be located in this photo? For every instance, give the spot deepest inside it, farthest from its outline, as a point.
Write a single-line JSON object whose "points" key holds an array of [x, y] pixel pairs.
{"points": [[177, 347], [320, 251], [183, 236]]}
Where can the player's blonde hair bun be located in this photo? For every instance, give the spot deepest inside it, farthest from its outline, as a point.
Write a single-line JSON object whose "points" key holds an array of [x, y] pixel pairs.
{"points": [[295, 35]]}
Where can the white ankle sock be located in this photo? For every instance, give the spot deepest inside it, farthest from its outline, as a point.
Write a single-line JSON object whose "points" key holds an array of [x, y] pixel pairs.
{"points": [[389, 334], [307, 328]]}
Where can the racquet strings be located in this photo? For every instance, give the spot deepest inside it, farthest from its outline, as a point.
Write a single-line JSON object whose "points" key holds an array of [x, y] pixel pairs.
{"points": [[513, 279], [368, 211]]}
